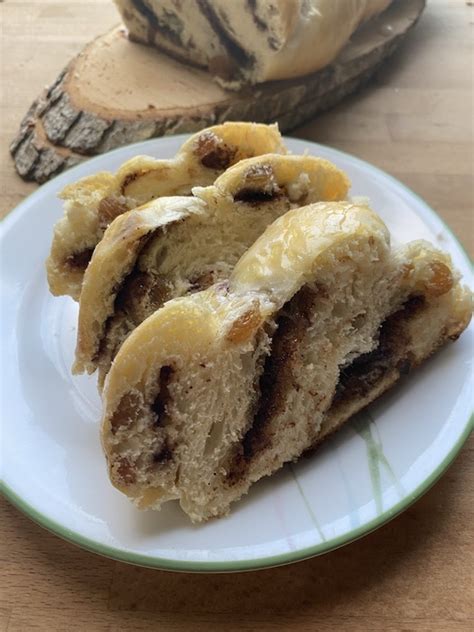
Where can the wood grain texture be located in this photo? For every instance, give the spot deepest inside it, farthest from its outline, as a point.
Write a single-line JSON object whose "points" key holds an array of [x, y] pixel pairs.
{"points": [[116, 92], [415, 573]]}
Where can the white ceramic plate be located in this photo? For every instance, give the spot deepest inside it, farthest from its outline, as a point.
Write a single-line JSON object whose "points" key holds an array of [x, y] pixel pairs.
{"points": [[53, 468]]}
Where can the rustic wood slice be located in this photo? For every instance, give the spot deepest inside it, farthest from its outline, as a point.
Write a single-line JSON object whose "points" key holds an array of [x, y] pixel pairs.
{"points": [[117, 92]]}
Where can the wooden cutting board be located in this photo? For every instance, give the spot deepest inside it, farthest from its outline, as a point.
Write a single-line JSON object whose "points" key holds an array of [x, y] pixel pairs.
{"points": [[117, 92]]}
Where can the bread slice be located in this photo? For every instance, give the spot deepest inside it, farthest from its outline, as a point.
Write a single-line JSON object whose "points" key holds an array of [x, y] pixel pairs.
{"points": [[249, 41], [93, 202], [174, 246], [217, 389]]}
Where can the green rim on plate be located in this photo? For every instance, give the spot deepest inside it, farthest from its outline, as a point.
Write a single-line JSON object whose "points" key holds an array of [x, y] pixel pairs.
{"points": [[239, 565], [263, 562]]}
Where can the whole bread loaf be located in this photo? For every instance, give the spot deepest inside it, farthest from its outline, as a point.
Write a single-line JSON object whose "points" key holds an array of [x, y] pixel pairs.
{"points": [[248, 41]]}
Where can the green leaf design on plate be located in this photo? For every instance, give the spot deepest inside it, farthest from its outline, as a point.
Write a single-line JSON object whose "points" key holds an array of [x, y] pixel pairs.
{"points": [[364, 425]]}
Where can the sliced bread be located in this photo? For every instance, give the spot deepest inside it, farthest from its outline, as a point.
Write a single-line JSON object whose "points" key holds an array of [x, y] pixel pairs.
{"points": [[178, 245], [219, 388], [93, 202]]}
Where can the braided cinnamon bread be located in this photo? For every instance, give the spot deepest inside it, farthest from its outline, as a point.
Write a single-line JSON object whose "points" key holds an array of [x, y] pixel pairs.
{"points": [[219, 388], [93, 202], [178, 245]]}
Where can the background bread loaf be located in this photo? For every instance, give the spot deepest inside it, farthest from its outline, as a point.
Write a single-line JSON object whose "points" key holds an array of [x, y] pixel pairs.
{"points": [[249, 42]]}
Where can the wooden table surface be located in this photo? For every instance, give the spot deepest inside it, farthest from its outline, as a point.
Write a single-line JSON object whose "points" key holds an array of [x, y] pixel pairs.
{"points": [[415, 573]]}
